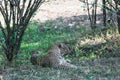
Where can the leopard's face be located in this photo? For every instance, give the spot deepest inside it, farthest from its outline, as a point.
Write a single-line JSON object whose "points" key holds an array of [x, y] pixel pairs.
{"points": [[64, 49]]}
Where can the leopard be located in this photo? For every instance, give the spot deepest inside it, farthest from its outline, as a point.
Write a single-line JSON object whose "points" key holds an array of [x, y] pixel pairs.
{"points": [[54, 58]]}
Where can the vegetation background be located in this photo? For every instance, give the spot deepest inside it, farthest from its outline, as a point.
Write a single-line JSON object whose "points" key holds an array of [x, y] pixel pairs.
{"points": [[96, 54]]}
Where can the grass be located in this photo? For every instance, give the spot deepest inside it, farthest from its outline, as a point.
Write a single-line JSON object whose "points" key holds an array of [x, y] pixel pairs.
{"points": [[101, 69], [87, 56], [35, 39]]}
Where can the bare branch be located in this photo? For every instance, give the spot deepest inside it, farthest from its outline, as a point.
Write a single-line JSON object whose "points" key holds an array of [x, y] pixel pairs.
{"points": [[2, 29], [16, 14]]}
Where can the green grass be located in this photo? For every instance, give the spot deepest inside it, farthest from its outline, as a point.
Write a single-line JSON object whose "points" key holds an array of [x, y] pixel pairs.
{"points": [[34, 39]]}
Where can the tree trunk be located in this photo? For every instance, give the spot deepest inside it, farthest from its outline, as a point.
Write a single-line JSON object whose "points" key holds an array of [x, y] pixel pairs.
{"points": [[104, 13], [13, 47], [11, 54], [118, 20]]}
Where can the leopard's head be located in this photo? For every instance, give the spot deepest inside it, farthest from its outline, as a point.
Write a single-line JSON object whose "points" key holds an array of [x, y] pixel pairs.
{"points": [[64, 49]]}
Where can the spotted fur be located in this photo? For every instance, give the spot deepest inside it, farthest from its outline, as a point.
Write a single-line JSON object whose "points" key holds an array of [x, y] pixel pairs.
{"points": [[55, 57]]}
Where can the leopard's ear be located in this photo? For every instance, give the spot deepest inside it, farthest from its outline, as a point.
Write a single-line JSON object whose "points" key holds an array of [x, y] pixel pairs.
{"points": [[60, 45]]}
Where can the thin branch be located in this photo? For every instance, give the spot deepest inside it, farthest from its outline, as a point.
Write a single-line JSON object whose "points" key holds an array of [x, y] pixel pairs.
{"points": [[2, 10], [18, 11], [89, 12], [6, 10], [110, 5], [2, 29]]}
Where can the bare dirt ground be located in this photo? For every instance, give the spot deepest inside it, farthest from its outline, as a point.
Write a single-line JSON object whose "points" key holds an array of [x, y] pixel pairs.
{"points": [[72, 12], [60, 8]]}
